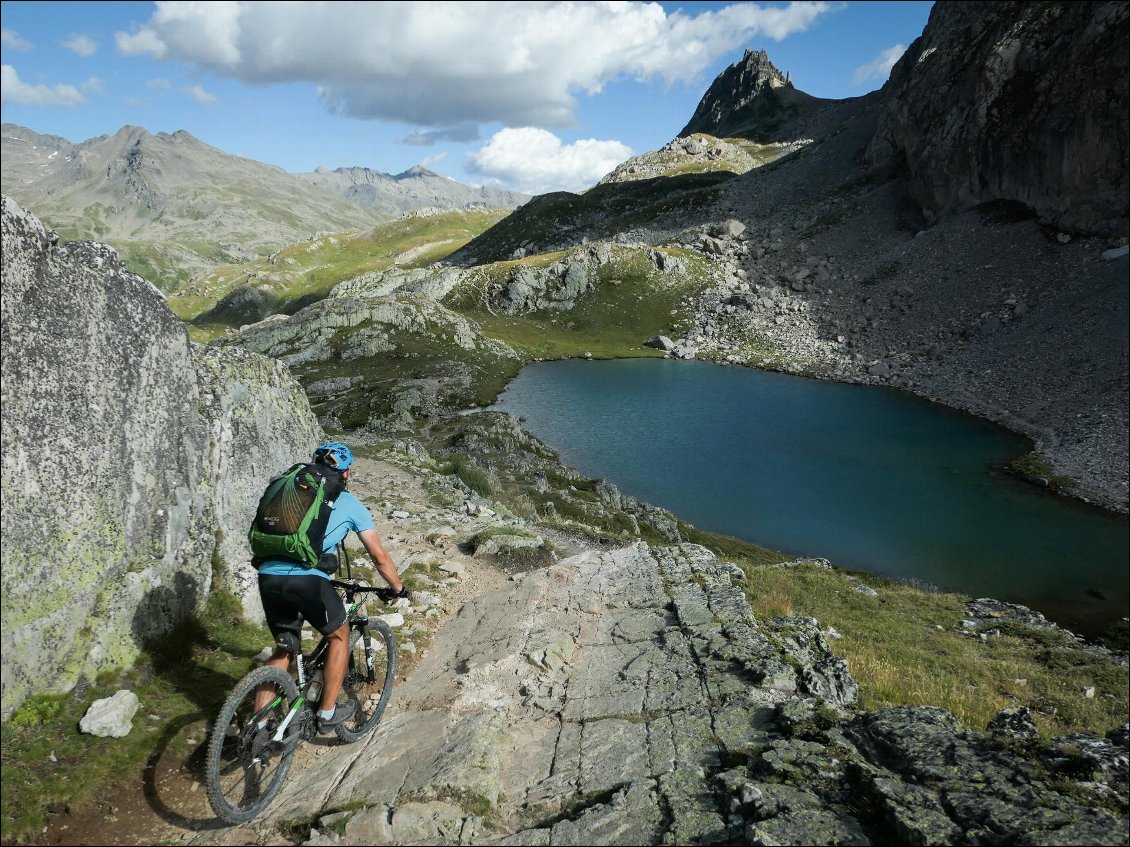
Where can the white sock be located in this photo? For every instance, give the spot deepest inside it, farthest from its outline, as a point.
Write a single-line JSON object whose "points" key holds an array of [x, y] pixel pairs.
{"points": [[326, 714]]}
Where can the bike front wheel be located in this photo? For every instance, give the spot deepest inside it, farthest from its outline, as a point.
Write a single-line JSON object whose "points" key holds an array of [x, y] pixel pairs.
{"points": [[246, 767], [371, 698]]}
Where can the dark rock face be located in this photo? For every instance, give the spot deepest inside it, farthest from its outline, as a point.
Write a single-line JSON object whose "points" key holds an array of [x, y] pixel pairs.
{"points": [[245, 305], [121, 441], [1024, 102], [752, 99]]}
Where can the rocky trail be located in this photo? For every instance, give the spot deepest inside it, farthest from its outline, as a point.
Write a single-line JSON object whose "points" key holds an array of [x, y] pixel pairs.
{"points": [[624, 696]]}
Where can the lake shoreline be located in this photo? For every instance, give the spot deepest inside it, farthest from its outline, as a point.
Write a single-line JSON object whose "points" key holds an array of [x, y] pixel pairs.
{"points": [[1004, 473]]}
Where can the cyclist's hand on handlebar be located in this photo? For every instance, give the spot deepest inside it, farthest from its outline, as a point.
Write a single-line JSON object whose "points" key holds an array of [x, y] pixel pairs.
{"points": [[388, 595]]}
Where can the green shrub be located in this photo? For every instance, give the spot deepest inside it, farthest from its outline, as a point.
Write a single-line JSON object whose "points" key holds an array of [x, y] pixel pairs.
{"points": [[472, 475]]}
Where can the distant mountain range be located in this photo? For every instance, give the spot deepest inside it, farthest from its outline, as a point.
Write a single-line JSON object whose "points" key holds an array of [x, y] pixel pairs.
{"points": [[174, 206], [416, 188]]}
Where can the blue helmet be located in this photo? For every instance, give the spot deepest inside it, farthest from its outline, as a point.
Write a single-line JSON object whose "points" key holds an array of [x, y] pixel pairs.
{"points": [[334, 455]]}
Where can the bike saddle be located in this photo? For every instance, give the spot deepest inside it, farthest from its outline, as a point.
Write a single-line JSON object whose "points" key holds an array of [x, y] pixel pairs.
{"points": [[289, 641]]}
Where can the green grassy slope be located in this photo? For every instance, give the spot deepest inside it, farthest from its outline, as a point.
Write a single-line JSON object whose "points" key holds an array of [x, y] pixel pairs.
{"points": [[307, 270]]}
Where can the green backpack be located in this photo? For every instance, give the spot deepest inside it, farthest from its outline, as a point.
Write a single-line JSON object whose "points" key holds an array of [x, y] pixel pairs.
{"points": [[290, 522]]}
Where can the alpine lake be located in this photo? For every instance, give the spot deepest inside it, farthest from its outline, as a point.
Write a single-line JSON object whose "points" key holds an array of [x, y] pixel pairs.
{"points": [[873, 479]]}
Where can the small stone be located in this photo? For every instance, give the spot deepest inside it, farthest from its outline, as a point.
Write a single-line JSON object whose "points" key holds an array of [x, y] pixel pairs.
{"points": [[393, 619], [1116, 252], [399, 514], [1089, 692], [407, 647], [111, 717], [453, 568], [866, 590], [1013, 723]]}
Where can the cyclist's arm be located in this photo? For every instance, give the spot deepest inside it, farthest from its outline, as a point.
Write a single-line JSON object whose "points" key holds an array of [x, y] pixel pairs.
{"points": [[385, 566]]}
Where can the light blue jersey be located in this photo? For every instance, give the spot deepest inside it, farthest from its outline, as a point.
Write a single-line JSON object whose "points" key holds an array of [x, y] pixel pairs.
{"points": [[348, 513]]}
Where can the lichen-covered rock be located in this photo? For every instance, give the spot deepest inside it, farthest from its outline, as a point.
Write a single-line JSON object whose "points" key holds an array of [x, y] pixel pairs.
{"points": [[259, 423], [112, 455], [1026, 102]]}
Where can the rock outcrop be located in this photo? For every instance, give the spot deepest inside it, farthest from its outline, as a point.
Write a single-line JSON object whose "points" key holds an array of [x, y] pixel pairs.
{"points": [[127, 452], [362, 331], [1024, 102], [751, 99]]}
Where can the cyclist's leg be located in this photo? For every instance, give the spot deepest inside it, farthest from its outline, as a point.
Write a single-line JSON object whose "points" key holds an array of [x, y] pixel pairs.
{"points": [[325, 611], [283, 615], [337, 656], [279, 659]]}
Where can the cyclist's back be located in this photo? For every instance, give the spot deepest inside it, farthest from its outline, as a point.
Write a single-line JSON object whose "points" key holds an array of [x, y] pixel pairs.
{"points": [[292, 593]]}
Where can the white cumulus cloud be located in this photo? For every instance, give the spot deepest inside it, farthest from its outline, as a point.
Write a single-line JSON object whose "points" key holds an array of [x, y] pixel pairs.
{"points": [[145, 41], [536, 161], [15, 90], [428, 161], [446, 64], [11, 39], [81, 45], [197, 93], [878, 68]]}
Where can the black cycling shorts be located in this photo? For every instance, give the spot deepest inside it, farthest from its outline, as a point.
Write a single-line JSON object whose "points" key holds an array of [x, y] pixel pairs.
{"points": [[288, 600]]}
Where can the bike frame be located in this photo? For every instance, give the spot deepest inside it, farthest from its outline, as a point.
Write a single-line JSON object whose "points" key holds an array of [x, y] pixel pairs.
{"points": [[356, 620]]}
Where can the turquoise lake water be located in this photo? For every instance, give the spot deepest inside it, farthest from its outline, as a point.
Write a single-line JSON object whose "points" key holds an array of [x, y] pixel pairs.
{"points": [[872, 479]]}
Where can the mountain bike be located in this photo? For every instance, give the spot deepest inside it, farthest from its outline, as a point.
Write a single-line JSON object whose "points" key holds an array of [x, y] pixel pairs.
{"points": [[250, 750]]}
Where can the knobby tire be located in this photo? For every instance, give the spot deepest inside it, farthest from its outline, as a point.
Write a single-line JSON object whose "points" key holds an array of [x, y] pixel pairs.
{"points": [[245, 770], [371, 698]]}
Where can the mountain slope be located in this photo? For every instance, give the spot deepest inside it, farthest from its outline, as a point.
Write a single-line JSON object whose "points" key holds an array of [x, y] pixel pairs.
{"points": [[171, 204], [416, 188]]}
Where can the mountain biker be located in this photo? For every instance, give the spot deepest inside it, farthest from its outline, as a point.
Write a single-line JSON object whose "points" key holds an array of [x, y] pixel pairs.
{"points": [[291, 592]]}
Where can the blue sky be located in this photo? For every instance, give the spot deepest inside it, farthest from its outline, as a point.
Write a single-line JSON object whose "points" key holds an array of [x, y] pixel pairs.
{"points": [[533, 96]]}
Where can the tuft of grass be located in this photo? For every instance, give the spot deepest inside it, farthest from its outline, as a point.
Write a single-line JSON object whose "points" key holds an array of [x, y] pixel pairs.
{"points": [[1034, 468], [183, 679], [471, 474]]}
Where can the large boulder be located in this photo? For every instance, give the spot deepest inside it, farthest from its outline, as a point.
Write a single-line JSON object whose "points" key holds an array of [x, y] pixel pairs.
{"points": [[122, 478], [1023, 102]]}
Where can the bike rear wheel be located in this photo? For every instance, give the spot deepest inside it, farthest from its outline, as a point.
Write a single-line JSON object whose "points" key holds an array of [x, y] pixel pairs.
{"points": [[371, 698], [245, 768]]}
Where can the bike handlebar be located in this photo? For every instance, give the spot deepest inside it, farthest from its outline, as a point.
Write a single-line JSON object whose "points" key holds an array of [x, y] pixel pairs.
{"points": [[385, 593]]}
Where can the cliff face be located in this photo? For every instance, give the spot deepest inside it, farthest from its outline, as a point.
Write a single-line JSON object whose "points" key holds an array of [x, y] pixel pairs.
{"points": [[128, 456], [751, 99], [1026, 102]]}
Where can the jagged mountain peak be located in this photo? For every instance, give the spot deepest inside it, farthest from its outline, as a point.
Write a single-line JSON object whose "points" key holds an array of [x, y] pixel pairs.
{"points": [[751, 99], [417, 171]]}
